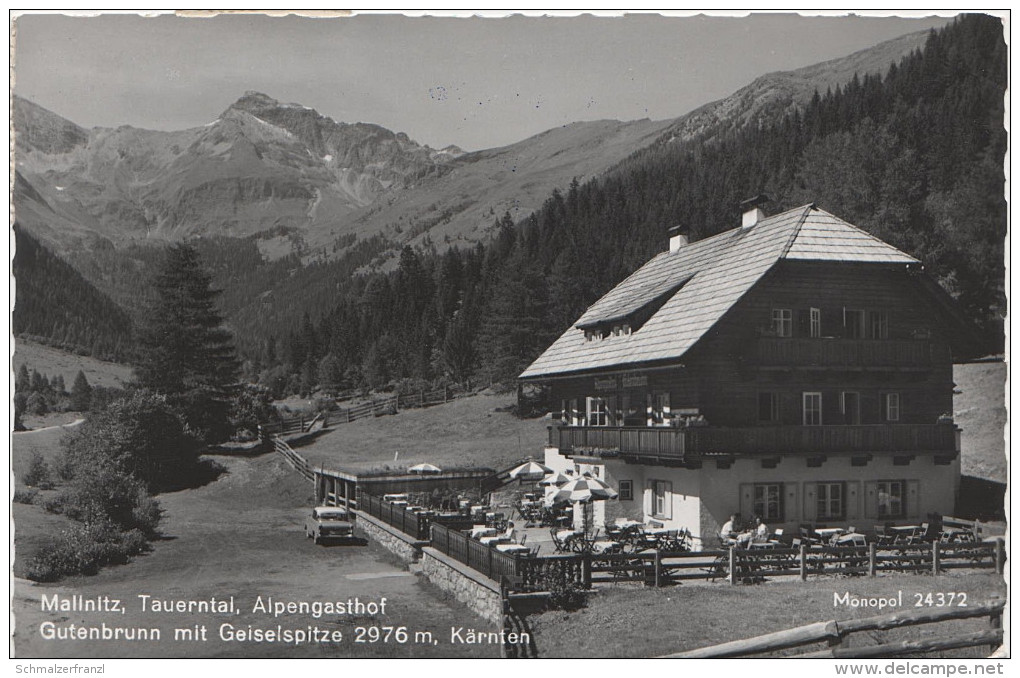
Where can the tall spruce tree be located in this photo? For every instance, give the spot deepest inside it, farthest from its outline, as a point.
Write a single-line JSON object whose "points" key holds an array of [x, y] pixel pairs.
{"points": [[187, 354], [81, 393]]}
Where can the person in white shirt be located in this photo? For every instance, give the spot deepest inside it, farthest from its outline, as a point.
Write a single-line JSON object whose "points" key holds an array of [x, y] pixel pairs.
{"points": [[728, 531], [761, 531]]}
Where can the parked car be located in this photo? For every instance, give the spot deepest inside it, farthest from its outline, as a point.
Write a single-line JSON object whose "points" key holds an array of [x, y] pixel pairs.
{"points": [[330, 522]]}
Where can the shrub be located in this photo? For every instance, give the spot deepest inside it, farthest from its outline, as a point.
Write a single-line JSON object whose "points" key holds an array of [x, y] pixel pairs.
{"points": [[24, 496], [82, 549], [37, 404], [38, 474]]}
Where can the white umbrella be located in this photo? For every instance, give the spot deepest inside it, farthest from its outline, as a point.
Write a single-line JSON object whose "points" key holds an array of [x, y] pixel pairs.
{"points": [[583, 489], [555, 479], [530, 470], [425, 468]]}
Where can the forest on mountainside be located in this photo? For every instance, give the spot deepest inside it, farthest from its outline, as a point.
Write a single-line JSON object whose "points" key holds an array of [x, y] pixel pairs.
{"points": [[914, 157], [56, 306]]}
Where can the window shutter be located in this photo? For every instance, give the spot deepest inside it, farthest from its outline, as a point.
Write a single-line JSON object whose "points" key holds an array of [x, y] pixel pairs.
{"points": [[871, 500], [810, 502], [913, 499], [853, 500], [746, 501], [649, 498]]}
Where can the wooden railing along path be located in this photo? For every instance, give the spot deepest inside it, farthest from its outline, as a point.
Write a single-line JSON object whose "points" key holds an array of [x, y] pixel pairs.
{"points": [[373, 408], [299, 463], [837, 632]]}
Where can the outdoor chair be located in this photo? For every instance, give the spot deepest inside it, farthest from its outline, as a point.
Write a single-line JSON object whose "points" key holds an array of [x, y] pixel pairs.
{"points": [[559, 544]]}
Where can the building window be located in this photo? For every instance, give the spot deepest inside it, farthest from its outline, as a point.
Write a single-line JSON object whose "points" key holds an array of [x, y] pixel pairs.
{"points": [[626, 490], [662, 500], [853, 323], [658, 409], [768, 501], [890, 499], [621, 330], [768, 407], [782, 322], [830, 501], [816, 322], [598, 412], [891, 406], [850, 407], [879, 324], [813, 409]]}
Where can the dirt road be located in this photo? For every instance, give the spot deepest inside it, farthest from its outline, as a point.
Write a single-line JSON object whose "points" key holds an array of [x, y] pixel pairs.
{"points": [[241, 538]]}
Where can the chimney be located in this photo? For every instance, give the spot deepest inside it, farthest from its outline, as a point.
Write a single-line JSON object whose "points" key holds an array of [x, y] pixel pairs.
{"points": [[752, 211], [676, 239]]}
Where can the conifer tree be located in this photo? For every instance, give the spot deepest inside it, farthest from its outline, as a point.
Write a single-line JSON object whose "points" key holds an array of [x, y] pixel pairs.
{"points": [[186, 353], [81, 393]]}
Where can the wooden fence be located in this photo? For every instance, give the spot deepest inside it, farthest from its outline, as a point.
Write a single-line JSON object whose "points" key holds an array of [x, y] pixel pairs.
{"points": [[374, 408], [413, 524], [837, 634], [660, 568], [486, 560], [293, 458]]}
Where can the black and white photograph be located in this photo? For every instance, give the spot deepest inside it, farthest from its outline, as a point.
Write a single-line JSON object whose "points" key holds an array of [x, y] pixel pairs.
{"points": [[510, 335]]}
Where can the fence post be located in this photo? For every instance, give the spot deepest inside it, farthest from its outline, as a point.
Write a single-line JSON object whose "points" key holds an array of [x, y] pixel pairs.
{"points": [[658, 568], [586, 570], [733, 564], [934, 557], [803, 562], [995, 623], [871, 559], [1000, 555]]}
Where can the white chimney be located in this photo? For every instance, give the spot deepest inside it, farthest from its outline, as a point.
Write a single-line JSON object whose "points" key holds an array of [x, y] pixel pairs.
{"points": [[752, 211], [752, 217], [676, 239]]}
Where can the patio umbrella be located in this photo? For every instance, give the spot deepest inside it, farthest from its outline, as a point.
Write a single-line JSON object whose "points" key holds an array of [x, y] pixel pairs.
{"points": [[556, 479], [530, 470], [425, 468], [583, 489]]}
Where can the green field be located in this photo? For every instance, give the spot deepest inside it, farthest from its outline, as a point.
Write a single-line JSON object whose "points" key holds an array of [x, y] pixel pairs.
{"points": [[51, 362]]}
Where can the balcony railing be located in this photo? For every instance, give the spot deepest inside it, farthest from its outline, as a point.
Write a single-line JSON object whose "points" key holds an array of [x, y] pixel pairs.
{"points": [[693, 443], [847, 353]]}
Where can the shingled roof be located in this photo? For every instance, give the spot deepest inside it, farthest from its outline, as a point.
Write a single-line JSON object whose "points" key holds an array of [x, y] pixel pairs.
{"points": [[713, 275]]}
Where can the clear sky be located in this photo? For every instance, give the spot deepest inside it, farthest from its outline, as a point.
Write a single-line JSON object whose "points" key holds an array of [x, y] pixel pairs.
{"points": [[477, 83]]}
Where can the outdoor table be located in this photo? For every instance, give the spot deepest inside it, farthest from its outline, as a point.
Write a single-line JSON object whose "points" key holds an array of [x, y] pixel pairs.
{"points": [[855, 538], [399, 502], [479, 532], [498, 539], [512, 548], [564, 535], [829, 532], [906, 528], [603, 545], [394, 497], [656, 530], [627, 524]]}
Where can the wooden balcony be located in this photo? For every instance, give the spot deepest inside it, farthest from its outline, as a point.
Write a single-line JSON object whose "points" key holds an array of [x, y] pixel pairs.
{"points": [[863, 354], [690, 444]]}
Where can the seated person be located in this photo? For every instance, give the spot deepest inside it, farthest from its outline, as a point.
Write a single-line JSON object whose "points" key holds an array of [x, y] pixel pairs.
{"points": [[728, 532], [761, 531]]}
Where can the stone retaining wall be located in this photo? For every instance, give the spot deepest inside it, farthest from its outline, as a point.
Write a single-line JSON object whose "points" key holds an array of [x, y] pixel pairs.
{"points": [[473, 589], [396, 542], [478, 592]]}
